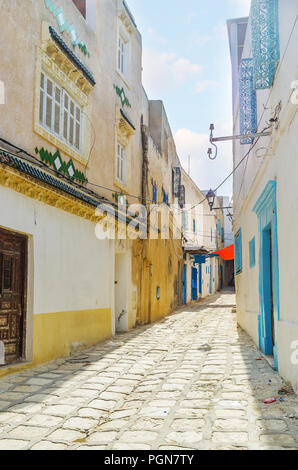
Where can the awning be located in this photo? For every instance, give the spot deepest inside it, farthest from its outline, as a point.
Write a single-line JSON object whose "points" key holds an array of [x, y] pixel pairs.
{"points": [[227, 254]]}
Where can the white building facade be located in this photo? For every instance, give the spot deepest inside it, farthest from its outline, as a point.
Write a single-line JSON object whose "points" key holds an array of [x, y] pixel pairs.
{"points": [[265, 180]]}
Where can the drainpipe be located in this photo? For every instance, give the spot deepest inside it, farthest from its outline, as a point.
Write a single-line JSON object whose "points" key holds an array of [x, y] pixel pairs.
{"points": [[145, 165]]}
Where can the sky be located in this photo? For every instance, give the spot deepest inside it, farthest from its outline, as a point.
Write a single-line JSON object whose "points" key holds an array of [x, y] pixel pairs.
{"points": [[186, 63]]}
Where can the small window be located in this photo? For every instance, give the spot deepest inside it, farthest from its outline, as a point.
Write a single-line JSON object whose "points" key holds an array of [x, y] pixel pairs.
{"points": [[194, 228], [238, 252], [121, 55], [185, 220], [121, 164], [223, 235], [252, 253]]}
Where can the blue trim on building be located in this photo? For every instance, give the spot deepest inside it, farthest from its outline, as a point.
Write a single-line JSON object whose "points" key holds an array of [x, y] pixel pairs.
{"points": [[266, 210], [252, 253], [238, 252]]}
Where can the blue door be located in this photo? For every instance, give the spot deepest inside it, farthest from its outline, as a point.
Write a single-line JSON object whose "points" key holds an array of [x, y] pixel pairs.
{"points": [[268, 319], [200, 279], [194, 284], [184, 285]]}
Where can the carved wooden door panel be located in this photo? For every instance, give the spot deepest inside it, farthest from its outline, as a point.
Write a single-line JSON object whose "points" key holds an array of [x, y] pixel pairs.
{"points": [[12, 289]]}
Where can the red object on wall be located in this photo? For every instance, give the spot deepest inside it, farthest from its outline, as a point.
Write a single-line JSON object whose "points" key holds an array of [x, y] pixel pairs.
{"points": [[81, 6], [227, 254]]}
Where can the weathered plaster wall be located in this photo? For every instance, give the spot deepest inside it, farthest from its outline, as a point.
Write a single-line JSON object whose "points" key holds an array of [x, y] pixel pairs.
{"points": [[69, 279]]}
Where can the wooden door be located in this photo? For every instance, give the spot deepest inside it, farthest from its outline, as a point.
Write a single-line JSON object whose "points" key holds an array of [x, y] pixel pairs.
{"points": [[12, 295]]}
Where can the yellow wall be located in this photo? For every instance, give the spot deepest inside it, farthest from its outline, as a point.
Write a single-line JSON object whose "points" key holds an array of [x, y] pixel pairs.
{"points": [[55, 335]]}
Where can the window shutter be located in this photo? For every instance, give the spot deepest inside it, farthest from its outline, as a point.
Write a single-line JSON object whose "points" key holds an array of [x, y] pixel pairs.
{"points": [[57, 110]]}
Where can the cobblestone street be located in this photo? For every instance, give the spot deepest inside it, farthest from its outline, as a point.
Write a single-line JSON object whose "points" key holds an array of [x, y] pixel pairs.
{"points": [[191, 381]]}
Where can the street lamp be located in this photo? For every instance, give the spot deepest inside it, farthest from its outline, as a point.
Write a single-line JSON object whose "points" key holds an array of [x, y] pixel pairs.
{"points": [[211, 199]]}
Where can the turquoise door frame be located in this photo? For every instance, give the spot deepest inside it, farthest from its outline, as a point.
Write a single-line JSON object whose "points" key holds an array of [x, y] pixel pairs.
{"points": [[266, 210]]}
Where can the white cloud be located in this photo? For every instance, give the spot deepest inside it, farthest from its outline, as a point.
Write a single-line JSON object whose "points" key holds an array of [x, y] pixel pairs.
{"points": [[204, 84], [163, 71], [206, 173], [245, 4], [156, 37]]}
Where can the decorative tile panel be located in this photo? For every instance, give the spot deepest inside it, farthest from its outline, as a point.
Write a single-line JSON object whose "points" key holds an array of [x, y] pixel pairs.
{"points": [[248, 101], [265, 41]]}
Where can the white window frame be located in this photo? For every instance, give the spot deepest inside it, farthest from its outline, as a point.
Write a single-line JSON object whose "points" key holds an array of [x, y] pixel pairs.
{"points": [[121, 163], [123, 54], [50, 99]]}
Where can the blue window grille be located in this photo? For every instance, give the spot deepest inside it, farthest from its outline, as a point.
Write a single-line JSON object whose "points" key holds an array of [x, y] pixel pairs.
{"points": [[238, 252], [252, 253], [194, 226], [223, 235], [154, 194], [265, 41], [248, 101]]}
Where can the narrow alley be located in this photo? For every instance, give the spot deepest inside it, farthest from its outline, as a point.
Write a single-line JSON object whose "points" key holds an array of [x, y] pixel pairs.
{"points": [[191, 381]]}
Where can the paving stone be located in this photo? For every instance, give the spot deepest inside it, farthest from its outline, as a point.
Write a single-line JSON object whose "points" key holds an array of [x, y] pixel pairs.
{"points": [[102, 437], [80, 424], [91, 448], [188, 424], [26, 388], [59, 410], [162, 403], [26, 408], [27, 432], [13, 444], [44, 420], [83, 393], [233, 424], [190, 412], [66, 435], [151, 412], [39, 381], [139, 437], [272, 425], [13, 396], [230, 437], [118, 414], [184, 438], [103, 404], [114, 425], [123, 446], [47, 445], [147, 424], [229, 414], [91, 413], [281, 440]]}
